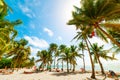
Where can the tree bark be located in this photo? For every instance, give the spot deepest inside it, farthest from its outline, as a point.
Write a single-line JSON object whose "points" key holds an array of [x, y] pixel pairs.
{"points": [[101, 66], [54, 62], [92, 64], [67, 67], [62, 66], [73, 67], [83, 60]]}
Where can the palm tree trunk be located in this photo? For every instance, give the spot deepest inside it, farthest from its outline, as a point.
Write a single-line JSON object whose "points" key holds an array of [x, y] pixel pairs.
{"points": [[73, 67], [92, 64], [83, 60], [70, 66], [50, 67], [62, 65], [101, 66], [102, 69], [54, 62], [67, 66], [109, 36], [57, 65]]}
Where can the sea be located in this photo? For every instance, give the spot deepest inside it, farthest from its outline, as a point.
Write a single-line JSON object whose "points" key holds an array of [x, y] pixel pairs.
{"points": [[107, 67]]}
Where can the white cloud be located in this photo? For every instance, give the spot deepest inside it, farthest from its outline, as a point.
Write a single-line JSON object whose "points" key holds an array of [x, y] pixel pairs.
{"points": [[60, 38], [26, 10], [33, 2], [36, 42], [50, 33]]}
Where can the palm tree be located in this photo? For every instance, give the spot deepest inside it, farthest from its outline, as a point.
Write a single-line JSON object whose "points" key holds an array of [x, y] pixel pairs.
{"points": [[43, 55], [57, 55], [83, 34], [53, 50], [19, 53], [82, 47], [62, 51], [29, 63], [100, 53], [65, 57], [93, 12], [74, 54], [49, 60], [7, 31]]}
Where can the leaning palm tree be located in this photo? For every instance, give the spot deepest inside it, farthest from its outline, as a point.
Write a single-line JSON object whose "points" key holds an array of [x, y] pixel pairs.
{"points": [[19, 53], [53, 50], [82, 47], [92, 14], [83, 34], [43, 55], [7, 31], [100, 53]]}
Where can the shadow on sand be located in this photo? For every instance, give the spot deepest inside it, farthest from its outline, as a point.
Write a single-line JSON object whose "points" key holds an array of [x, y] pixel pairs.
{"points": [[65, 73]]}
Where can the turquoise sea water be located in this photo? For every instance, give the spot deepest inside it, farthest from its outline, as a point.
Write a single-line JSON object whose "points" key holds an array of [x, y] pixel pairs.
{"points": [[107, 67]]}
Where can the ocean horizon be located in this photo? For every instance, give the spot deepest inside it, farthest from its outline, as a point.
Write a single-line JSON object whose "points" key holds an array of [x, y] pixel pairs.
{"points": [[106, 67]]}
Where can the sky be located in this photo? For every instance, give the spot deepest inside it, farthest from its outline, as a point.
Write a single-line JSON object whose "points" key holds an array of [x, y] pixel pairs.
{"points": [[45, 22]]}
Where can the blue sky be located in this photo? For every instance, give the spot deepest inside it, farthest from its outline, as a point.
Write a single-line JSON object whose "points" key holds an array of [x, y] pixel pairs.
{"points": [[44, 22]]}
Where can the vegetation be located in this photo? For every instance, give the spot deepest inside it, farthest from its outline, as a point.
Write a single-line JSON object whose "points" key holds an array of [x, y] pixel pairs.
{"points": [[4, 62], [94, 15], [17, 51], [94, 18]]}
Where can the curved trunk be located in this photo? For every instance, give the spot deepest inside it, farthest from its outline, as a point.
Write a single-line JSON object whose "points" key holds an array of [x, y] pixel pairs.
{"points": [[92, 64], [109, 36], [101, 66]]}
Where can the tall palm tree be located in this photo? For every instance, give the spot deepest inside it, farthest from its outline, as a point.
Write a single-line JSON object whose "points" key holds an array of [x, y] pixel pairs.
{"points": [[43, 55], [93, 12], [53, 50], [82, 47], [65, 57], [19, 53], [62, 51], [7, 31], [49, 60], [74, 54], [100, 53], [83, 34]]}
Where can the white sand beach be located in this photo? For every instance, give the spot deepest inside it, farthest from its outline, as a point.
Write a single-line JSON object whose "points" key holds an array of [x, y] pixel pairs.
{"points": [[46, 75]]}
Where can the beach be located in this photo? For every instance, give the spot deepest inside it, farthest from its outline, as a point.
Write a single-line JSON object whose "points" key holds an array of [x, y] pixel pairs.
{"points": [[46, 75]]}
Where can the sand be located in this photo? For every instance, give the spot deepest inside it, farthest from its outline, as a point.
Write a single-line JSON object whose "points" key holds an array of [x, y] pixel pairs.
{"points": [[46, 75]]}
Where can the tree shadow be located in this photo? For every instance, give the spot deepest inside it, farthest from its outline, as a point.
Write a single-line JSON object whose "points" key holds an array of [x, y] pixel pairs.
{"points": [[65, 73]]}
